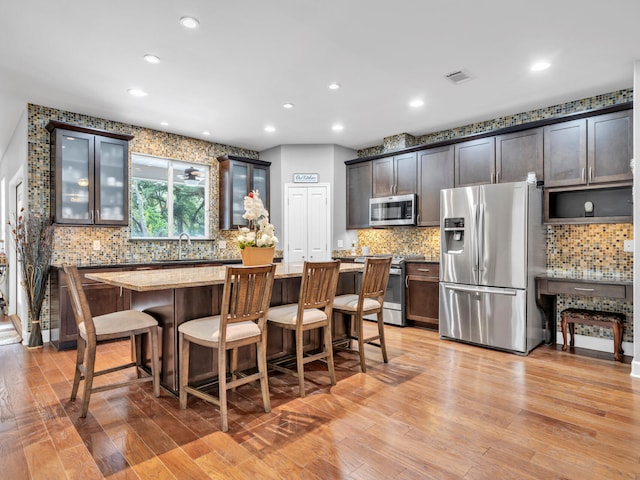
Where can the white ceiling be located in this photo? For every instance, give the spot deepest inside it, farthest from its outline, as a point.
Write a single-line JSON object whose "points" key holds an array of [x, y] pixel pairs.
{"points": [[232, 75]]}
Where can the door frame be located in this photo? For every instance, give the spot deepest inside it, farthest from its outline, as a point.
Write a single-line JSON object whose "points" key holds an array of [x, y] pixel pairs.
{"points": [[17, 298], [285, 193]]}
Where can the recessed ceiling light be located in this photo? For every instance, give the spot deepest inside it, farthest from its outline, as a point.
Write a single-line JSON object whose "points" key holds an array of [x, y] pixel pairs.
{"points": [[334, 86], [287, 105], [189, 22], [136, 92], [151, 58], [206, 133], [337, 127], [164, 124], [269, 128], [416, 103], [536, 67]]}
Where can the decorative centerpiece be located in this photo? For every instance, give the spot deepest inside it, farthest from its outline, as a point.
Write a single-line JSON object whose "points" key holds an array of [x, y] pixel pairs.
{"points": [[33, 235], [257, 241]]}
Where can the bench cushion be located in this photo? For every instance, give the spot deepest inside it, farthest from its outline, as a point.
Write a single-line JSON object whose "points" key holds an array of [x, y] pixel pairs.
{"points": [[580, 314]]}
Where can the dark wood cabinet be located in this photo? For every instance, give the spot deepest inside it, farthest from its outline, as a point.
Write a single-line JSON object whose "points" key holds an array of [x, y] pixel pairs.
{"points": [[435, 172], [610, 147], [565, 153], [359, 191], [519, 153], [238, 177], [89, 175], [422, 294], [589, 151], [395, 175], [475, 162], [102, 299]]}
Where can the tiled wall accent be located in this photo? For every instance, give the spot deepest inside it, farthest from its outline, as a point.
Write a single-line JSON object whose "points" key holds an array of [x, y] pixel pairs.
{"points": [[599, 101], [397, 142], [74, 244], [590, 250], [401, 240], [593, 251]]}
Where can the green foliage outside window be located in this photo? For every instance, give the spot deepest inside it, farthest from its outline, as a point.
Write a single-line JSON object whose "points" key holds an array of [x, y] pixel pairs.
{"points": [[162, 204]]}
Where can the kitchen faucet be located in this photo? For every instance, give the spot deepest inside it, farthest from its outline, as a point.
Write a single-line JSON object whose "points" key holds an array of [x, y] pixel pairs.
{"points": [[183, 234]]}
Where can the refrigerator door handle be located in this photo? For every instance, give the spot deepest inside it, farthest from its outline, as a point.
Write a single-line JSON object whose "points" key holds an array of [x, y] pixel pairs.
{"points": [[481, 237], [474, 243], [471, 289]]}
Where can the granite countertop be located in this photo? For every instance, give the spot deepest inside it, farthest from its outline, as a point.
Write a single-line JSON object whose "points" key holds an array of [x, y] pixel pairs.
{"points": [[184, 261], [586, 276], [145, 280]]}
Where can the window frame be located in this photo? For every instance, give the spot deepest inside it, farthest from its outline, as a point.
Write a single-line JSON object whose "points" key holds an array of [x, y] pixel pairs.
{"points": [[170, 197]]}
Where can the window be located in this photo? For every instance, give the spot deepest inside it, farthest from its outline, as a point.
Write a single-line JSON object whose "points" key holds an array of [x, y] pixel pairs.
{"points": [[168, 197]]}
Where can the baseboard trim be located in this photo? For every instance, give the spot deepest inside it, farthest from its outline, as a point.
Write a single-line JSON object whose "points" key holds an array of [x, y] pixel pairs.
{"points": [[595, 343]]}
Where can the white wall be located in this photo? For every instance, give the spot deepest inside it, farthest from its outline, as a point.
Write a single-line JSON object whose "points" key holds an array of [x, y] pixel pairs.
{"points": [[325, 160], [635, 365], [13, 168], [273, 155]]}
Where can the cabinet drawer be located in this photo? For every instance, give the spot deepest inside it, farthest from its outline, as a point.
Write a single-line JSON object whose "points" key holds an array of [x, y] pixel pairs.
{"points": [[423, 269], [587, 289]]}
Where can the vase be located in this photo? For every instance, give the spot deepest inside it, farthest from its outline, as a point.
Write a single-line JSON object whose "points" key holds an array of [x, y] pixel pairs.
{"points": [[35, 336], [257, 255]]}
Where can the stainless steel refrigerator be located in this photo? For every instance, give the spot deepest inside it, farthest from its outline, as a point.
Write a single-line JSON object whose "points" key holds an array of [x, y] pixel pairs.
{"points": [[492, 246]]}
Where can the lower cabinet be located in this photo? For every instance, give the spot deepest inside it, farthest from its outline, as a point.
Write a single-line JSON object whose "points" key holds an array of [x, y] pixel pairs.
{"points": [[422, 294]]}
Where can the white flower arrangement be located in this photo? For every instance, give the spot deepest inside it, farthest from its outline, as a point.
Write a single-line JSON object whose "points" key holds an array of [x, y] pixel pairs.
{"points": [[259, 233]]}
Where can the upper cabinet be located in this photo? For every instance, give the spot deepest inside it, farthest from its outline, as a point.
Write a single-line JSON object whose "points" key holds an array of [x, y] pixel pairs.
{"points": [[238, 177], [475, 162], [395, 175], [359, 188], [589, 151], [500, 159], [519, 153], [90, 175], [435, 167]]}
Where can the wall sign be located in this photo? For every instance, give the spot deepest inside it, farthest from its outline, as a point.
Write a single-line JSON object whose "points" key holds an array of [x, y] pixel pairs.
{"points": [[305, 178]]}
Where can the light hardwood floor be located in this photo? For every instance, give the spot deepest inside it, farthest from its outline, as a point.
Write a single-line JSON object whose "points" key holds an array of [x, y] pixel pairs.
{"points": [[439, 409]]}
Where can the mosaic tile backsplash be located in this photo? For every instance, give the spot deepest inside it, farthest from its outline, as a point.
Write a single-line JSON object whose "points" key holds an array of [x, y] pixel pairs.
{"points": [[598, 101], [74, 243], [595, 249]]}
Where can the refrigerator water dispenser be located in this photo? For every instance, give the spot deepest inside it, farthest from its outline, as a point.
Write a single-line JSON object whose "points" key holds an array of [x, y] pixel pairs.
{"points": [[454, 235]]}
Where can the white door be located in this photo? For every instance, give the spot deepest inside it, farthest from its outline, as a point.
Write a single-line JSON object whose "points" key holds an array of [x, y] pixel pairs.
{"points": [[307, 223]]}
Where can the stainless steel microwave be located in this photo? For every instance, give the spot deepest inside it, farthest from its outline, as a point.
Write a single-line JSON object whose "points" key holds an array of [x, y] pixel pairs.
{"points": [[393, 211]]}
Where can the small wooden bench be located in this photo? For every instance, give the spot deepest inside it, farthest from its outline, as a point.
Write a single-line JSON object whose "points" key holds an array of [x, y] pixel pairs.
{"points": [[612, 320]]}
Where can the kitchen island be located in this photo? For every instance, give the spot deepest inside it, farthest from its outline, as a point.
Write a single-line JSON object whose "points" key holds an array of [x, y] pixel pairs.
{"points": [[177, 295]]}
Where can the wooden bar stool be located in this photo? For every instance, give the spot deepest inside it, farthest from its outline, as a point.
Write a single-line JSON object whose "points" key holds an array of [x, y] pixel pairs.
{"points": [[613, 320], [127, 323], [313, 310], [242, 321], [369, 301]]}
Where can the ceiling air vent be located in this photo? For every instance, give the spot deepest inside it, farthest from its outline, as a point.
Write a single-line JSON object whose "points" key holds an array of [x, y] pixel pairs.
{"points": [[459, 76]]}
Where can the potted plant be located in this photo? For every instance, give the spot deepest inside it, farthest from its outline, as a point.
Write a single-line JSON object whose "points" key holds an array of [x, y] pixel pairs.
{"points": [[33, 235], [257, 241]]}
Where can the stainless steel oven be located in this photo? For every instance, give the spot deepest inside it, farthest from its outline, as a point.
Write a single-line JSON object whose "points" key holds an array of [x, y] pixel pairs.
{"points": [[394, 300]]}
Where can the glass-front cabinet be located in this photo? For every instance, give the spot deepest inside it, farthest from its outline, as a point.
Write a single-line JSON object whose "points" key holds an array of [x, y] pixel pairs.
{"points": [[89, 171], [239, 176]]}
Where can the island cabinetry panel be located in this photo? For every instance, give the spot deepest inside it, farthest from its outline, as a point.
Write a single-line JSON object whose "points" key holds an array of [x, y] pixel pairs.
{"points": [[435, 172], [102, 299], [395, 175], [238, 177], [359, 191], [589, 151], [172, 307], [519, 153], [89, 175], [422, 294]]}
